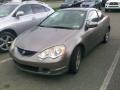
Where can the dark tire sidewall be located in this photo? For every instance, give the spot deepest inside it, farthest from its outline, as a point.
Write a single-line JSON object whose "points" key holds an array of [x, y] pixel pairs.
{"points": [[3, 34], [72, 64]]}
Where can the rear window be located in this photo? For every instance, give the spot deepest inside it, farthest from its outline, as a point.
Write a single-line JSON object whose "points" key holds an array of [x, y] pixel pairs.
{"points": [[39, 8]]}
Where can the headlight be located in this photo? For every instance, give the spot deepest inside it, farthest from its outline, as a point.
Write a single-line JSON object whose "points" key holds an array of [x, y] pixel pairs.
{"points": [[53, 52], [13, 44]]}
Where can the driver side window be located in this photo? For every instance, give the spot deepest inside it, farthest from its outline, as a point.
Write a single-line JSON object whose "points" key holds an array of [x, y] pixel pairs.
{"points": [[93, 16], [26, 9]]}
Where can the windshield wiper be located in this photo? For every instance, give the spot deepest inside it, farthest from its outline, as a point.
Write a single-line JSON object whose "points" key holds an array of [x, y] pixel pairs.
{"points": [[61, 27]]}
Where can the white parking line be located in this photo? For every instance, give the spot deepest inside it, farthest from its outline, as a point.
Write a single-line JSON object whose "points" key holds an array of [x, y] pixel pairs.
{"points": [[5, 60], [110, 71]]}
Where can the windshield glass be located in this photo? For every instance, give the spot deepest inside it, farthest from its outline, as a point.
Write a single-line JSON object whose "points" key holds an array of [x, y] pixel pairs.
{"points": [[66, 19], [5, 10]]}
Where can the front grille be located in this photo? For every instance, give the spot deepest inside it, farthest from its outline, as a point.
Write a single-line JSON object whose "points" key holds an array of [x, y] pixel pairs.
{"points": [[27, 67], [113, 6], [86, 6], [113, 3], [26, 52]]}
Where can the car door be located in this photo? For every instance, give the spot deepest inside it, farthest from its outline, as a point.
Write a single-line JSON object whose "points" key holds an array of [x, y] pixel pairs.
{"points": [[102, 25], [40, 12], [91, 34], [25, 21]]}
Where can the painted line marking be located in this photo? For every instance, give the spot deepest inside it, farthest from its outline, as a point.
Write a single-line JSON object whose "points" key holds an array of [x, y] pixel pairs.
{"points": [[110, 71], [5, 60]]}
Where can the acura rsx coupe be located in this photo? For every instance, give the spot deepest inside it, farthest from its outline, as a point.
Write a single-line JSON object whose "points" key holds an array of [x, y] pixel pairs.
{"points": [[60, 41]]}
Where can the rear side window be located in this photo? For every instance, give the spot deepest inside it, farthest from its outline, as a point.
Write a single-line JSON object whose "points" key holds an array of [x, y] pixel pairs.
{"points": [[39, 8]]}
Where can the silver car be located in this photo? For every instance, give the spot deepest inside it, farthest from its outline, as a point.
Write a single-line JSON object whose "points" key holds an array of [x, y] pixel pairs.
{"points": [[15, 18], [58, 44]]}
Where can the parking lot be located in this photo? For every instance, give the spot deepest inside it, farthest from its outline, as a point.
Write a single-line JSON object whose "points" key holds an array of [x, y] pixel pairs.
{"points": [[99, 70]]}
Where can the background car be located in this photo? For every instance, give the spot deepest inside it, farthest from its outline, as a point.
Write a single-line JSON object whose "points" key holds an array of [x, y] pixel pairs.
{"points": [[82, 4], [16, 18], [60, 41], [112, 5], [103, 2], [92, 4], [71, 3]]}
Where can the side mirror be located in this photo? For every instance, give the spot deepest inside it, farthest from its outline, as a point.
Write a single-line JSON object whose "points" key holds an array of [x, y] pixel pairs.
{"points": [[91, 24], [19, 13]]}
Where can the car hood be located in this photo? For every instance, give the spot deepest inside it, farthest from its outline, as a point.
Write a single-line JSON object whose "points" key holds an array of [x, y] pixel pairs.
{"points": [[113, 1], [42, 38]]}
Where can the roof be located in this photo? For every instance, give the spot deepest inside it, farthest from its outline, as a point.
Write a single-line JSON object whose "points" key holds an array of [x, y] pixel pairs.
{"points": [[26, 2], [82, 9]]}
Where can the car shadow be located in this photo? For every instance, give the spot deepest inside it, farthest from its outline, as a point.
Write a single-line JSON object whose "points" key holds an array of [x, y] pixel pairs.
{"points": [[113, 11]]}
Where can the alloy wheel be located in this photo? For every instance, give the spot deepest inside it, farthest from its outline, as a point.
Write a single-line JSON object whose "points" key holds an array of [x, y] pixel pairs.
{"points": [[5, 42]]}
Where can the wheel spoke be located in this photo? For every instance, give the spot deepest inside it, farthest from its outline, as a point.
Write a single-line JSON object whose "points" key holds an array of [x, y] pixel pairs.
{"points": [[7, 38], [7, 46], [4, 47], [1, 39], [2, 44], [107, 36], [78, 60]]}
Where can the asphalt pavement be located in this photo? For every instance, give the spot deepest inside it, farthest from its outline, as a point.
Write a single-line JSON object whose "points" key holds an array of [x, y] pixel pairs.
{"points": [[99, 70]]}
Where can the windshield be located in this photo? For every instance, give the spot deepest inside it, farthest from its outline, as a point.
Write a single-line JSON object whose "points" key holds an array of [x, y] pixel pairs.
{"points": [[66, 19], [5, 10]]}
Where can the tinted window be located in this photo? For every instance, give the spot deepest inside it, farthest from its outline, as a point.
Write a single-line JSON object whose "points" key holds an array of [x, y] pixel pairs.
{"points": [[69, 19], [100, 14], [26, 9], [47, 9], [39, 8], [93, 16], [5, 10]]}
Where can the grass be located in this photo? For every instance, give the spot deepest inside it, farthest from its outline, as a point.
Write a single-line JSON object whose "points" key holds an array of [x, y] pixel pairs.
{"points": [[56, 8]]}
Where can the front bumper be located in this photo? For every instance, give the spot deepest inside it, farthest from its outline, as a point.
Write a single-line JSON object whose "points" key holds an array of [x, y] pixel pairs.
{"points": [[112, 6], [34, 65]]}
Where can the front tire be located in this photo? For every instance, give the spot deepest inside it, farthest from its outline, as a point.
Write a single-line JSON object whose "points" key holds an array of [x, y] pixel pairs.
{"points": [[75, 60], [6, 39], [106, 10], [106, 37]]}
